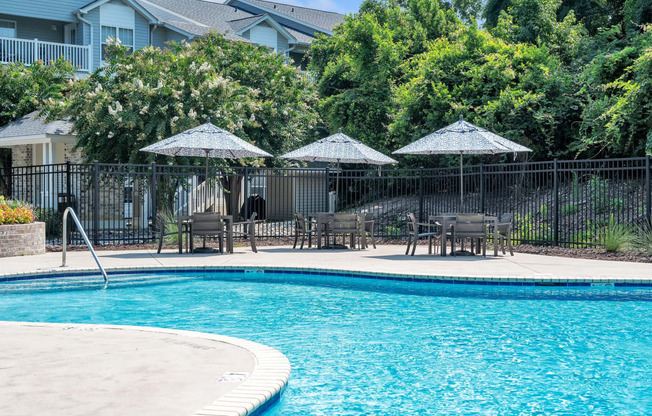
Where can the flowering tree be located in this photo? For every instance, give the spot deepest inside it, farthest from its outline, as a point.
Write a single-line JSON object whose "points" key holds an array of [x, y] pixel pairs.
{"points": [[147, 96]]}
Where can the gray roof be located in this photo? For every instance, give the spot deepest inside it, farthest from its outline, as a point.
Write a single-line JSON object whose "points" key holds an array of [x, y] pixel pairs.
{"points": [[239, 24], [174, 19], [32, 125], [320, 18], [198, 17], [200, 13]]}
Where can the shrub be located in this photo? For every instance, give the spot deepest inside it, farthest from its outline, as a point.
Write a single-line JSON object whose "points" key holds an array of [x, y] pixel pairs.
{"points": [[643, 239], [569, 209], [616, 237]]}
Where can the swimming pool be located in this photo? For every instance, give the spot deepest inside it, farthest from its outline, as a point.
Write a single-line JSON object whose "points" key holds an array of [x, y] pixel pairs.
{"points": [[379, 347]]}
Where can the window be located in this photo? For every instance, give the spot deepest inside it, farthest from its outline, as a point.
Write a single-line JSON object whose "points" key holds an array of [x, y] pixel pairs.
{"points": [[125, 35], [7, 29]]}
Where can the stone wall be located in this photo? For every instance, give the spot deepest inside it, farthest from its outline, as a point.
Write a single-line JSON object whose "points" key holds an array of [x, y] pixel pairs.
{"points": [[22, 239], [21, 155]]}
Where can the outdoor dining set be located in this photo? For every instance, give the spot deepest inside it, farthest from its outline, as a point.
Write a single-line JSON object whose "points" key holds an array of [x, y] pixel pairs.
{"points": [[358, 229], [210, 141]]}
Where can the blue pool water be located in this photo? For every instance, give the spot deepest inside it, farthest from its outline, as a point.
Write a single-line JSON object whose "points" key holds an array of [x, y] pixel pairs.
{"points": [[375, 347]]}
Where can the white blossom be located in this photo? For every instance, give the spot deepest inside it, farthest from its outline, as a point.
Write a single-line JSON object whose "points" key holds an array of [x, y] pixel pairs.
{"points": [[118, 106], [110, 135], [192, 114]]}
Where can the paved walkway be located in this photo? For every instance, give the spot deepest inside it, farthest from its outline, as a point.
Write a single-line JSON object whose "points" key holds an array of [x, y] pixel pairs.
{"points": [[386, 259], [70, 369]]}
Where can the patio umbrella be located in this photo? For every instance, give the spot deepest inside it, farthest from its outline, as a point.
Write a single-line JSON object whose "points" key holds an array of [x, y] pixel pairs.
{"points": [[464, 139], [339, 148], [206, 140]]}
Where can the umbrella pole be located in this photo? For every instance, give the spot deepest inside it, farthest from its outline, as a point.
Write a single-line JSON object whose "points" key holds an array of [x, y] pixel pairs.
{"points": [[206, 188], [461, 181], [337, 186]]}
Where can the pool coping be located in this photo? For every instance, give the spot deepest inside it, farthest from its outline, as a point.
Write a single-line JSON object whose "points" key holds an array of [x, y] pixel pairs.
{"points": [[541, 281], [250, 398]]}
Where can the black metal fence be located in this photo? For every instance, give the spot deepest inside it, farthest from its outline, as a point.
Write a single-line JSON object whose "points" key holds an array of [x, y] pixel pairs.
{"points": [[554, 203]]}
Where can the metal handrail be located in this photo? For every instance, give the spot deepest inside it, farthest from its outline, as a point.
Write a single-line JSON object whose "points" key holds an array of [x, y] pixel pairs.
{"points": [[70, 211]]}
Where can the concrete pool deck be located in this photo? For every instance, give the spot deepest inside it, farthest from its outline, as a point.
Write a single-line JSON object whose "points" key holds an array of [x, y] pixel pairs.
{"points": [[385, 259], [73, 369], [70, 369]]}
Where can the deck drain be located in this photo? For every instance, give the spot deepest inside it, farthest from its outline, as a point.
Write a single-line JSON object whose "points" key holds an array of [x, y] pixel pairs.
{"points": [[233, 377]]}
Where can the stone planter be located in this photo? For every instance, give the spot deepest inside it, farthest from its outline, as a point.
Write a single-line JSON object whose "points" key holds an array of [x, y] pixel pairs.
{"points": [[22, 239]]}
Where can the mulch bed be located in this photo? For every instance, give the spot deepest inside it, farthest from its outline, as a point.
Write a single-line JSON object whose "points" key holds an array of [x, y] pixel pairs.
{"points": [[584, 253], [576, 253]]}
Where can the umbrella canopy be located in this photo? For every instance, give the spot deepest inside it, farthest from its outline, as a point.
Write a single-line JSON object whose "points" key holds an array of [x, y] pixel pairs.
{"points": [[339, 148], [206, 140], [462, 138]]}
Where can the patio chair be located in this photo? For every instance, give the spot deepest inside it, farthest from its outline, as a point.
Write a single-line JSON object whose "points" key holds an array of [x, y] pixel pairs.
{"points": [[207, 224], [303, 227], [346, 224], [248, 230], [505, 232], [369, 227], [414, 233], [471, 226], [165, 228]]}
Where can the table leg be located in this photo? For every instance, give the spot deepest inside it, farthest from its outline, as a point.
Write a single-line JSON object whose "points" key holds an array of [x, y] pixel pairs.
{"points": [[229, 238], [496, 238], [318, 225], [444, 230], [180, 234]]}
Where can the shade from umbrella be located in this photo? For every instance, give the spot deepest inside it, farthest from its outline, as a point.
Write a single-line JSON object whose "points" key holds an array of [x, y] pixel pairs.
{"points": [[462, 138], [339, 148]]}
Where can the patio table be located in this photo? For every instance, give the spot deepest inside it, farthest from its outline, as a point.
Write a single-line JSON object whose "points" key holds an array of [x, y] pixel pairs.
{"points": [[322, 221], [448, 220], [186, 220]]}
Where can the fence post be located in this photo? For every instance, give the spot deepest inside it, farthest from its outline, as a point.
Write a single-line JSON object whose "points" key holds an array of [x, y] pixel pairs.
{"points": [[421, 195], [482, 205], [555, 220], [96, 202], [328, 178], [154, 195], [35, 51], [246, 193], [648, 190]]}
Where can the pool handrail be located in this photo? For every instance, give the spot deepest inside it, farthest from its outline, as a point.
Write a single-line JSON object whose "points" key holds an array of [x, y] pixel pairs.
{"points": [[70, 211]]}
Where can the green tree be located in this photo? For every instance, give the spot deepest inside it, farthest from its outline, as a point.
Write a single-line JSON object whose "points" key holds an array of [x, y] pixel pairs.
{"points": [[618, 94], [517, 90], [151, 94], [369, 55], [24, 89]]}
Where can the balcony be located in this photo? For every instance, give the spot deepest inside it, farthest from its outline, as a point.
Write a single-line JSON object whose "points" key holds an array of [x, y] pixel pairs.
{"points": [[29, 51]]}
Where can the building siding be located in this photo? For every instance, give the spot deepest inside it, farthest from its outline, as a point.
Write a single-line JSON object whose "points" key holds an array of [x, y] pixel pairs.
{"points": [[161, 35], [281, 42], [141, 32], [62, 10], [40, 29]]}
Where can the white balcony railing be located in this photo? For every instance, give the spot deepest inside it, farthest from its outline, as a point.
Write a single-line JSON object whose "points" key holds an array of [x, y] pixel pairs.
{"points": [[29, 51]]}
